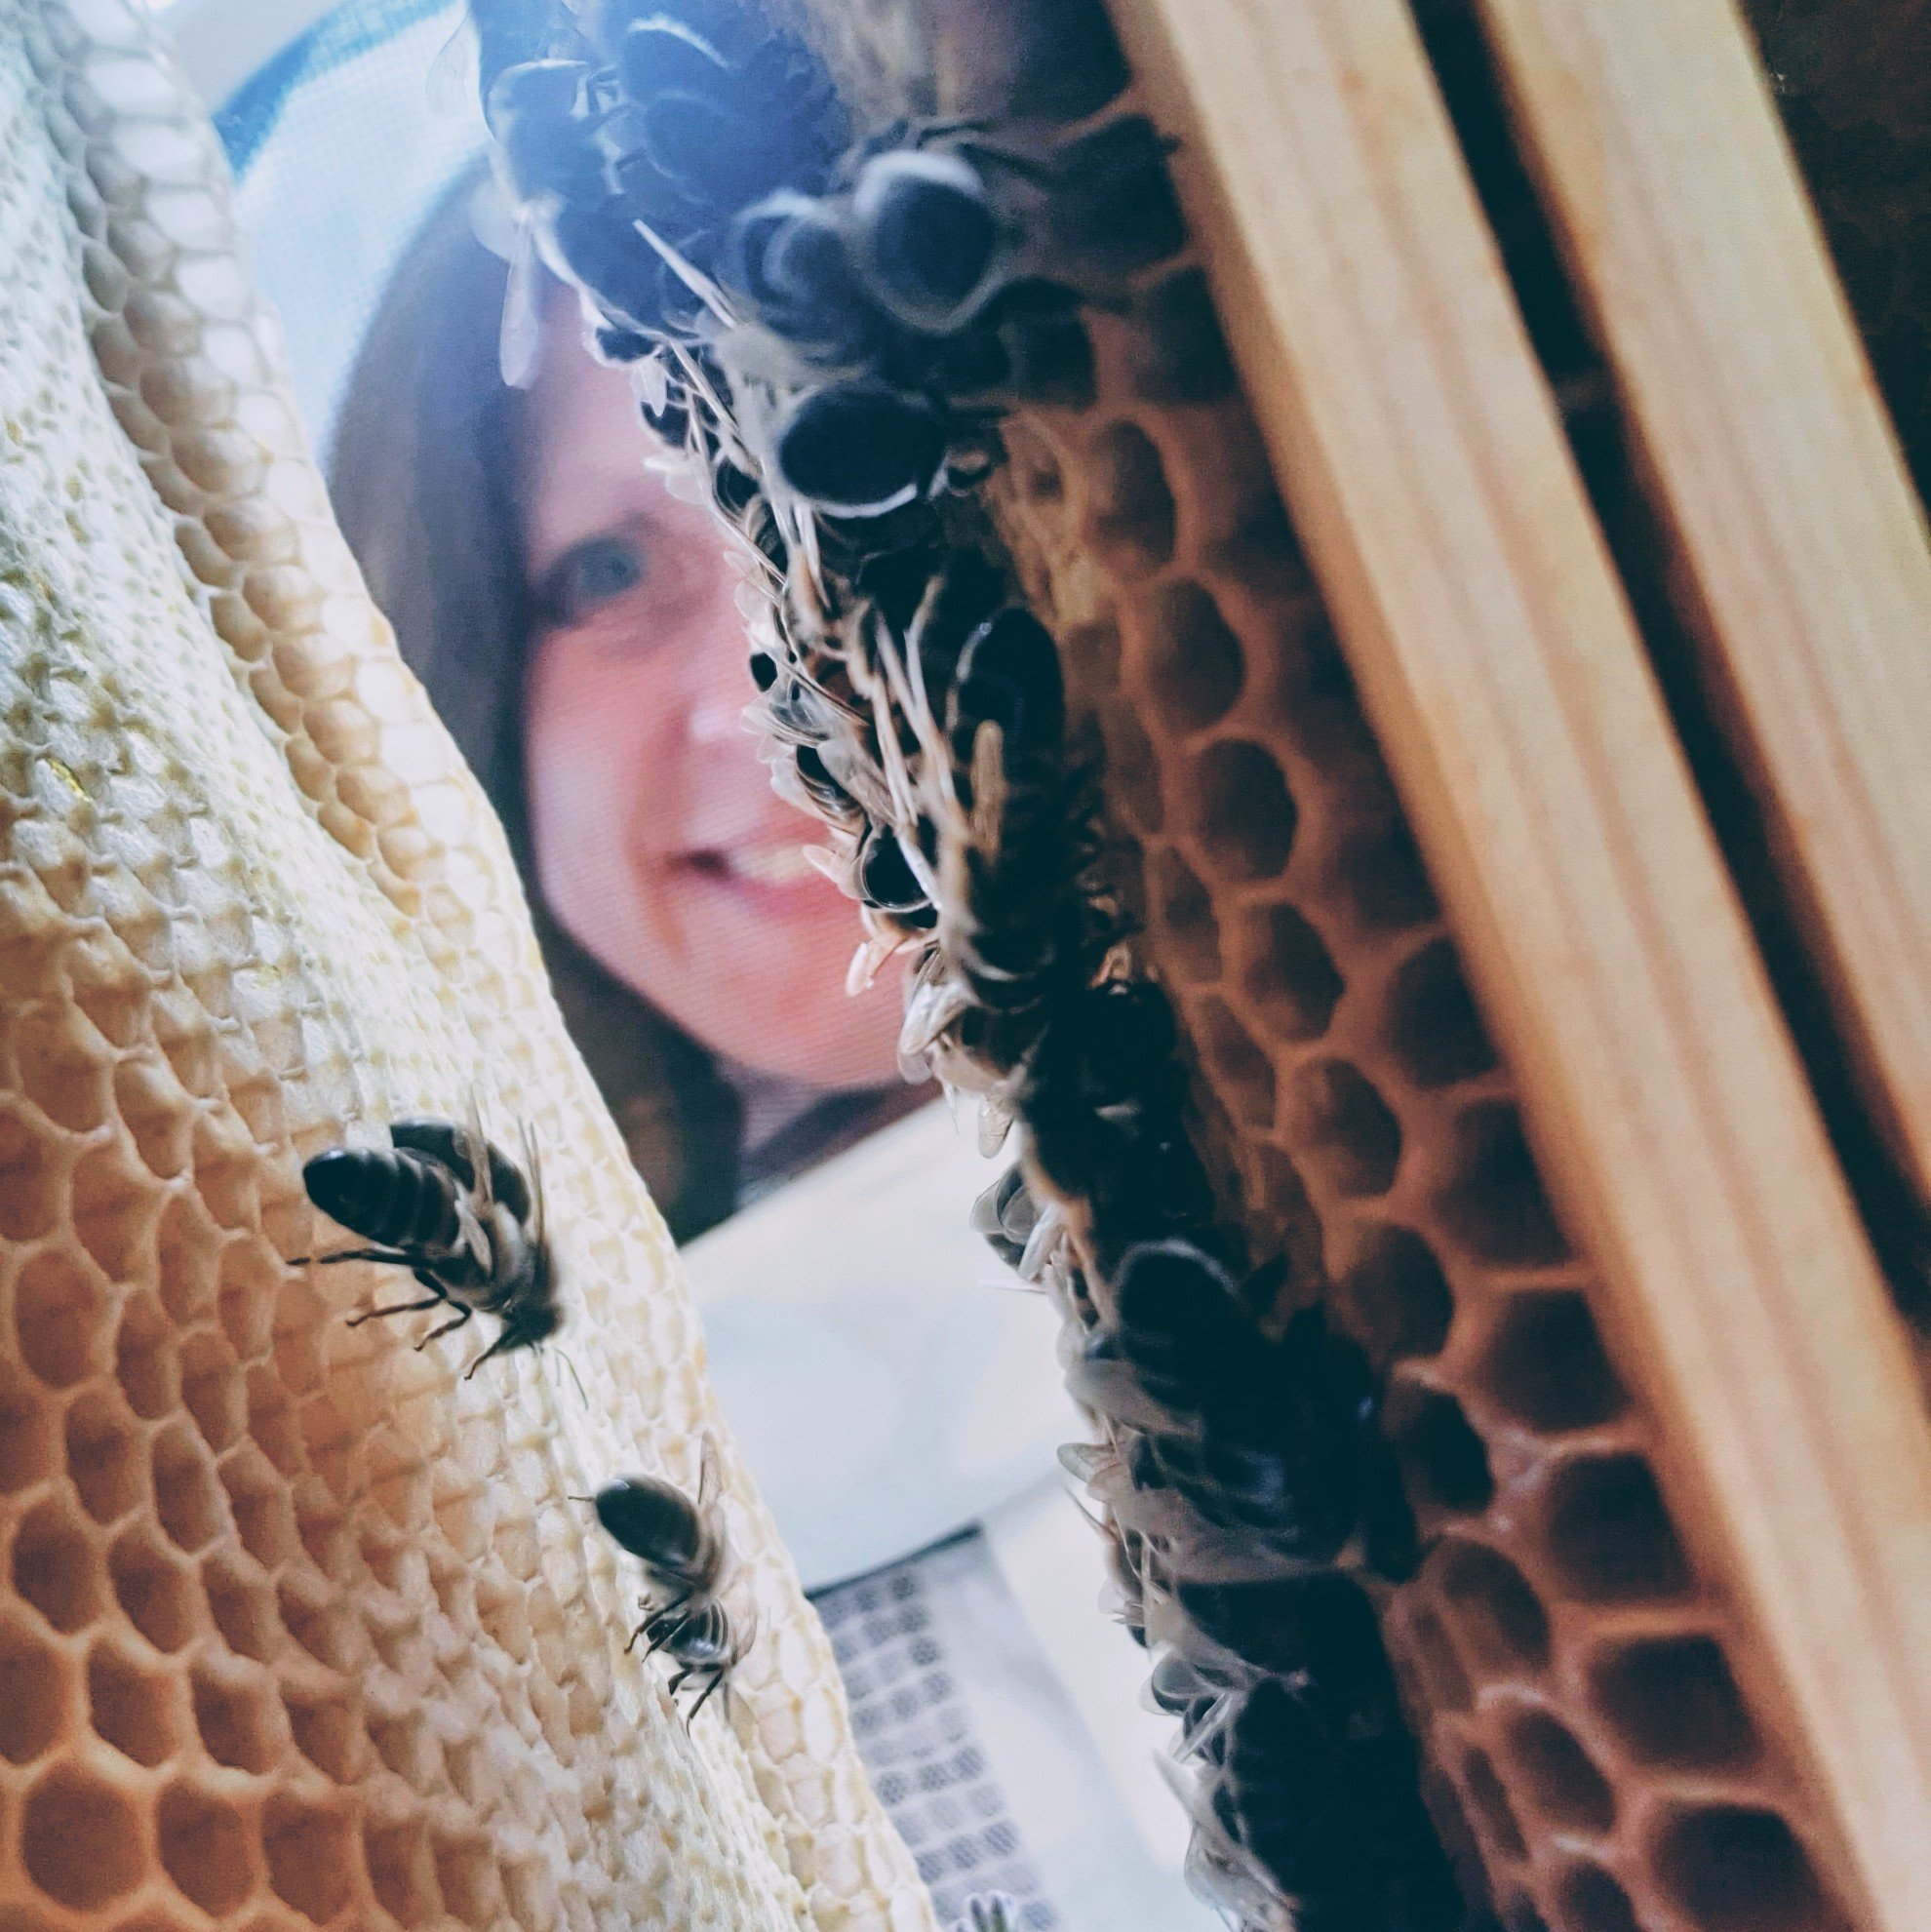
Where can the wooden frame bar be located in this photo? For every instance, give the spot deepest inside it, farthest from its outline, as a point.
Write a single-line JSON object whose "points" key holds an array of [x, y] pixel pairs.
{"points": [[1803, 544], [1420, 450]]}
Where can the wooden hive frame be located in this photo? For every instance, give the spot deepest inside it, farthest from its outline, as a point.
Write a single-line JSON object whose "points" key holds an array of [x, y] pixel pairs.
{"points": [[1421, 451]]}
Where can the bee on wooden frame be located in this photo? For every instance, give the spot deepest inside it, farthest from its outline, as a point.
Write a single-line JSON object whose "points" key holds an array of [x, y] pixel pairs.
{"points": [[682, 1547], [445, 1203]]}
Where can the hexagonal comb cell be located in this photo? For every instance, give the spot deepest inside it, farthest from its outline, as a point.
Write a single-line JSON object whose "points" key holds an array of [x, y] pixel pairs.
{"points": [[1558, 1775], [1609, 1537], [207, 1847], [1671, 1701], [154, 1589], [61, 1319], [1287, 974], [1186, 915], [1130, 507], [132, 1705], [1738, 1868], [1244, 816], [1191, 663], [55, 1567], [1393, 1296], [33, 1690], [1545, 1365], [106, 1460], [80, 1839]]}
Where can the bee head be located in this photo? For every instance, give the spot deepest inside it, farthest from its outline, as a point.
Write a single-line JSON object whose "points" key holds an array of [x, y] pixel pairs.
{"points": [[652, 1520], [531, 1326]]}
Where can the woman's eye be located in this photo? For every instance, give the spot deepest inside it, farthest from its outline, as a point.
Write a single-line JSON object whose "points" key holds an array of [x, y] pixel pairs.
{"points": [[585, 578]]}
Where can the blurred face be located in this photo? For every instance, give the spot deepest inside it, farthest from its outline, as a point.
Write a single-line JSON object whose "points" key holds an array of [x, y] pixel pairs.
{"points": [[658, 843]]}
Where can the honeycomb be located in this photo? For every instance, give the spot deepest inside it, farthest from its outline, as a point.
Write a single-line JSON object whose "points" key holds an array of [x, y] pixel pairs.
{"points": [[1558, 1636], [1582, 1687], [297, 1627]]}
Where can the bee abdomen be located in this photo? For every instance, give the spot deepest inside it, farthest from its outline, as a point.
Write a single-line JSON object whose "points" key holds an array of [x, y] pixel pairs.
{"points": [[390, 1196], [705, 1638]]}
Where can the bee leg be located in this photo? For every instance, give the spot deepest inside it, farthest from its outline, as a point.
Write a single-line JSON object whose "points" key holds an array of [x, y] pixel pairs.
{"points": [[449, 1327], [400, 1308], [668, 1633], [497, 1347], [387, 1254], [717, 1677]]}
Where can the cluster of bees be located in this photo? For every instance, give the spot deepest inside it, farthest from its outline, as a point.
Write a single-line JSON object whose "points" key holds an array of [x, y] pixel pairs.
{"points": [[832, 325]]}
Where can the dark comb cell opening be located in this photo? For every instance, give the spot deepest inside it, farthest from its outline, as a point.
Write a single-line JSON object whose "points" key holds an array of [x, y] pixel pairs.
{"points": [[1559, 1776], [1289, 974], [32, 1692], [1242, 812], [80, 1839], [1395, 1297], [55, 1570], [1189, 933], [1245, 1071], [1736, 1868], [1194, 664], [1609, 1535], [154, 1589], [1501, 1625], [236, 1719], [130, 1706], [1444, 1462], [186, 1497], [1672, 1702], [1545, 1366], [1130, 514], [205, 1848], [1590, 1899], [1433, 1024], [105, 1460], [1489, 1802], [1495, 1206], [1342, 1128]]}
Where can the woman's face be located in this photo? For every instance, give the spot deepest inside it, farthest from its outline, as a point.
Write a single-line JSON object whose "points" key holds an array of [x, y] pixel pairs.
{"points": [[658, 843]]}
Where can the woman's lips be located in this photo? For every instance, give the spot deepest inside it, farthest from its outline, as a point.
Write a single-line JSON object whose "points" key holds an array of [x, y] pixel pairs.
{"points": [[768, 865], [772, 872]]}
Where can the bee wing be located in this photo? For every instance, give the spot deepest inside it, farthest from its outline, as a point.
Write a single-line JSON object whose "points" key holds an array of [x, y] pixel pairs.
{"points": [[1220, 1870], [708, 1479], [449, 87], [477, 1143], [533, 1165], [520, 343]]}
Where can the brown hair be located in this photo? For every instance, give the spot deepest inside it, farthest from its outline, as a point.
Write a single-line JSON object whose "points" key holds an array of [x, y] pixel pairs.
{"points": [[423, 476]]}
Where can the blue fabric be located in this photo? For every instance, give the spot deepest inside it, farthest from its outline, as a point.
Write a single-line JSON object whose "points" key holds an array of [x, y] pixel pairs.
{"points": [[341, 145], [249, 115]]}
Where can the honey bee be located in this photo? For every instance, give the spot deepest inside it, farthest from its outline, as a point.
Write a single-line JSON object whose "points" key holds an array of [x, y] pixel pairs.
{"points": [[445, 1203], [682, 1547]]}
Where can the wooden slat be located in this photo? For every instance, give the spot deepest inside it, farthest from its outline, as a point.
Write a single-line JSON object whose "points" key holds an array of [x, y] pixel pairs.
{"points": [[1421, 453], [1805, 548]]}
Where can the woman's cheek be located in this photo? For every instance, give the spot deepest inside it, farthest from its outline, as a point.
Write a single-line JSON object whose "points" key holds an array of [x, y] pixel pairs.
{"points": [[598, 773]]}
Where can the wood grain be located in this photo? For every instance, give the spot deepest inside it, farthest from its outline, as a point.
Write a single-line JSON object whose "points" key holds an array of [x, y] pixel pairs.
{"points": [[1422, 456], [1804, 547]]}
